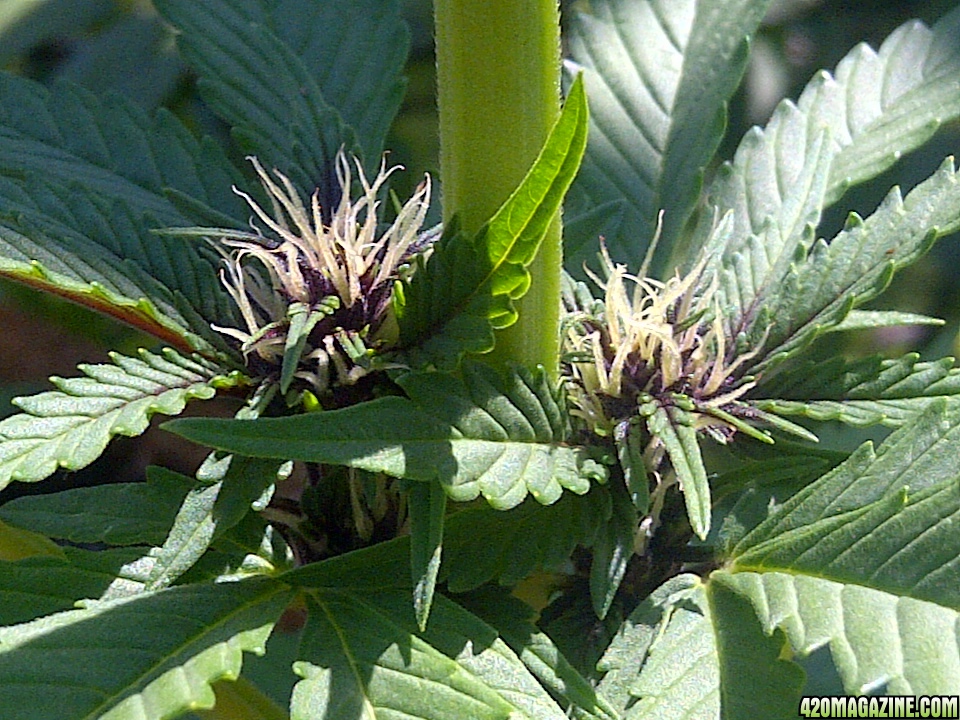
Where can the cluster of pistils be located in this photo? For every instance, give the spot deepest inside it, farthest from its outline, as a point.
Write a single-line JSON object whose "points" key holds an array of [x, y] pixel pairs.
{"points": [[652, 339], [332, 276]]}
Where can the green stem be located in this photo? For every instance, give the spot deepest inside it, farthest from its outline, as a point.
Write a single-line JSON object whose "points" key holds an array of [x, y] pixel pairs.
{"points": [[498, 76]]}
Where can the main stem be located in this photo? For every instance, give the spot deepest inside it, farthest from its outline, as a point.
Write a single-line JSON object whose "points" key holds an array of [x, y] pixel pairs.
{"points": [[498, 76]]}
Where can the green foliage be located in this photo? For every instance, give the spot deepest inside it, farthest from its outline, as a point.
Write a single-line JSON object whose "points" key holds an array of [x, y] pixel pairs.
{"points": [[468, 286], [121, 514], [431, 536], [499, 437], [659, 75], [865, 392], [78, 210], [70, 427], [167, 649], [843, 129]]}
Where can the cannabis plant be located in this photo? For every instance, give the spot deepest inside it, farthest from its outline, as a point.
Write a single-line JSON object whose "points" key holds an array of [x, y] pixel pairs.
{"points": [[461, 482]]}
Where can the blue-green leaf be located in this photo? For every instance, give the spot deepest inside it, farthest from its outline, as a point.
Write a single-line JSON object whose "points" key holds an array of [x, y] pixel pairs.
{"points": [[658, 74], [842, 130], [865, 562], [819, 288], [864, 392], [257, 82], [500, 437]]}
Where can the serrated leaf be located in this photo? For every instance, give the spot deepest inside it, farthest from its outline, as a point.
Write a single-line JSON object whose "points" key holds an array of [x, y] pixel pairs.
{"points": [[842, 130], [208, 511], [363, 656], [865, 561], [879, 642], [514, 621], [624, 658], [500, 437], [695, 651], [427, 508], [165, 650], [127, 294], [92, 204], [71, 426], [864, 392], [467, 287], [758, 486], [117, 514], [658, 74], [256, 81], [674, 428], [912, 456], [890, 101], [356, 52], [819, 291]]}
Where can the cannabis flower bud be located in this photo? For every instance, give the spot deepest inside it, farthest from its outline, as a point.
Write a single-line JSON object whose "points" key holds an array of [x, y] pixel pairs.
{"points": [[319, 292], [663, 343]]}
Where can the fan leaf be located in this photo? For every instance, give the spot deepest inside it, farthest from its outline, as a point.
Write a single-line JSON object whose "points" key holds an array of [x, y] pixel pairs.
{"points": [[658, 74], [865, 392], [84, 208], [864, 561], [843, 129], [362, 655], [503, 438], [259, 84], [70, 427], [166, 649], [818, 290], [356, 52], [692, 651]]}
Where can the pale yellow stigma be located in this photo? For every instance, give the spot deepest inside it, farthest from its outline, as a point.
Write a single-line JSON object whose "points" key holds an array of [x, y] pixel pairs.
{"points": [[309, 264]]}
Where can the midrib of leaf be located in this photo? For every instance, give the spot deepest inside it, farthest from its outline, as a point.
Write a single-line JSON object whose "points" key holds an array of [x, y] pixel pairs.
{"points": [[866, 392], [873, 539], [70, 427], [761, 209], [474, 692], [347, 653], [656, 122]]}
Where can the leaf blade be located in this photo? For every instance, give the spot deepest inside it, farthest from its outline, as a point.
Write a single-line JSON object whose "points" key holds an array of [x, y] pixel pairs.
{"points": [[71, 426], [488, 436], [659, 75], [197, 634]]}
